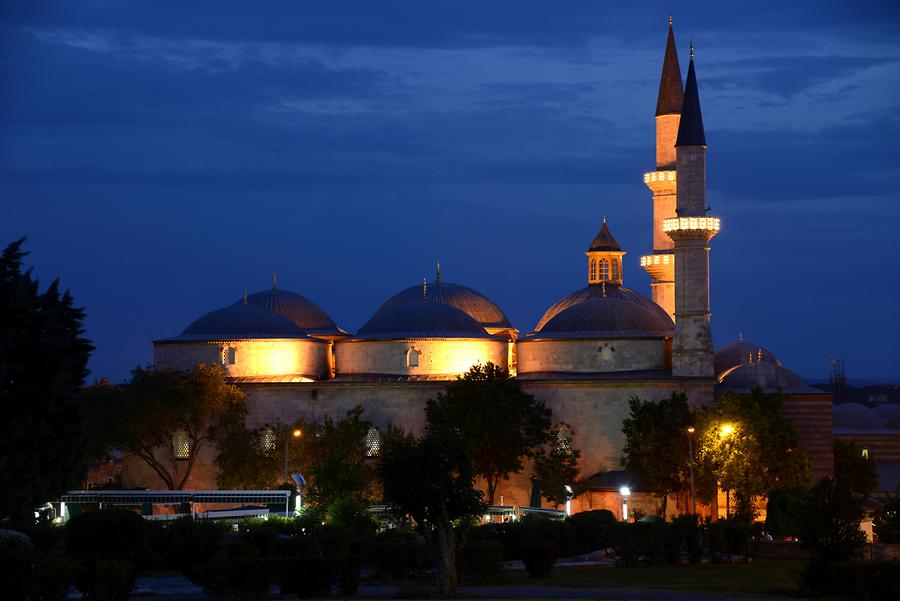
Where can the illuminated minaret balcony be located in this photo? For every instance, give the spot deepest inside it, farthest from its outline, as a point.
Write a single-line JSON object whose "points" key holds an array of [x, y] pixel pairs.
{"points": [[691, 228]]}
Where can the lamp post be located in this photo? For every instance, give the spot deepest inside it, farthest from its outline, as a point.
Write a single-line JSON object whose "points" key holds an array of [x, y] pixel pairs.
{"points": [[287, 450], [691, 465], [625, 492], [725, 431]]}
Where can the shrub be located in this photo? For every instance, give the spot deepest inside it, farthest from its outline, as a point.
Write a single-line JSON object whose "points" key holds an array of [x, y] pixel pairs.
{"points": [[887, 522], [110, 534], [514, 535], [235, 579], [351, 516], [304, 576], [190, 542], [593, 529], [688, 534], [650, 541], [480, 557], [398, 554], [539, 557], [730, 536], [16, 555], [784, 510], [52, 577], [869, 580], [109, 580]]}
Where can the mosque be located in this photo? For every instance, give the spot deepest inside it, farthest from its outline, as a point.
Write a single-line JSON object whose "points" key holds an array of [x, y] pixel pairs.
{"points": [[586, 357]]}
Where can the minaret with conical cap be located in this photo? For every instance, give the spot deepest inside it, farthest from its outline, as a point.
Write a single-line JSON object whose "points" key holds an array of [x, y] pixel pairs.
{"points": [[660, 265], [691, 231]]}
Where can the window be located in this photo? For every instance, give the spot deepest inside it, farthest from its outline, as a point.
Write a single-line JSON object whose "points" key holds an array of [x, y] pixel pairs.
{"points": [[373, 442], [412, 358], [181, 444], [606, 356], [593, 270], [564, 440], [267, 441], [228, 355], [615, 270], [604, 269], [865, 453]]}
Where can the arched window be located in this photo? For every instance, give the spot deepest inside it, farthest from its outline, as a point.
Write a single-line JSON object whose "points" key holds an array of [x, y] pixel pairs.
{"points": [[267, 440], [181, 444], [606, 356], [593, 269], [615, 270], [604, 269], [373, 442], [229, 355], [412, 358], [563, 437]]}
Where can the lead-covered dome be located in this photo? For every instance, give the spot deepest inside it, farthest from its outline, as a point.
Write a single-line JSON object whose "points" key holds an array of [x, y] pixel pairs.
{"points": [[476, 305], [742, 352], [240, 321], [855, 416], [304, 313], [766, 376], [604, 311], [421, 318]]}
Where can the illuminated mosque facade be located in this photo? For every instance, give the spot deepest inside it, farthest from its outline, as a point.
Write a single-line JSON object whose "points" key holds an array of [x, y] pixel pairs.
{"points": [[587, 356]]}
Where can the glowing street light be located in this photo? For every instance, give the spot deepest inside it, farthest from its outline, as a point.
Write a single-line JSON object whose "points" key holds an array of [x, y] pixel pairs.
{"points": [[297, 433], [690, 431], [726, 430], [625, 492]]}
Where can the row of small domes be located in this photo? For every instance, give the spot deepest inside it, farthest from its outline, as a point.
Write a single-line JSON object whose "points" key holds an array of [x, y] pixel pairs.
{"points": [[438, 310]]}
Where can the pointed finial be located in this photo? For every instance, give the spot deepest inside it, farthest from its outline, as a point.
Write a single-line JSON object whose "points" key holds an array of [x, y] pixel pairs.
{"points": [[740, 336], [604, 219], [692, 49], [670, 18], [603, 288], [749, 357], [759, 356], [274, 280], [424, 287], [437, 271], [245, 294]]}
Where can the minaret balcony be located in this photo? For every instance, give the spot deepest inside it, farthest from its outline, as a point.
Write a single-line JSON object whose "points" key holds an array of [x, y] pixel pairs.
{"points": [[691, 227], [661, 181], [659, 266]]}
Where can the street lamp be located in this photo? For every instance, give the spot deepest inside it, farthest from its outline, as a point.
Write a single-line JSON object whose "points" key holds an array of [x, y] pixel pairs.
{"points": [[569, 494], [625, 492], [691, 464], [726, 430], [287, 449]]}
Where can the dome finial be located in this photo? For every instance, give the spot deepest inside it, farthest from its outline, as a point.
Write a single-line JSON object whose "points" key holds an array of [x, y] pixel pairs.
{"points": [[692, 49], [274, 280], [670, 18], [245, 294], [437, 272], [740, 336], [604, 219], [424, 287]]}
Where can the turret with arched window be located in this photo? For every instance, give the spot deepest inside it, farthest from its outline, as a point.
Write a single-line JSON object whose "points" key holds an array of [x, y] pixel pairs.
{"points": [[604, 258]]}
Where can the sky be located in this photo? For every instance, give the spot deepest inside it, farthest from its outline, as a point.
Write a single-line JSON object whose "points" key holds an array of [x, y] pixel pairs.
{"points": [[160, 156]]}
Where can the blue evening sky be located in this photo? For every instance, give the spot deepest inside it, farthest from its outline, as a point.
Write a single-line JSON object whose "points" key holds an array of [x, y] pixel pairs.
{"points": [[159, 155]]}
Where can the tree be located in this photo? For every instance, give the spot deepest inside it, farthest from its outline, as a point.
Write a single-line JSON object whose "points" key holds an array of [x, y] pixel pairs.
{"points": [[43, 364], [555, 466], [338, 465], [749, 449], [830, 521], [887, 523], [656, 443], [850, 463], [431, 480], [784, 510], [166, 417], [498, 424]]}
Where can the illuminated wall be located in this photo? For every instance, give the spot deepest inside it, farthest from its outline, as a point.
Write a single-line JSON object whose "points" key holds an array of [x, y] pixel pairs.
{"points": [[436, 356], [590, 356], [300, 358]]}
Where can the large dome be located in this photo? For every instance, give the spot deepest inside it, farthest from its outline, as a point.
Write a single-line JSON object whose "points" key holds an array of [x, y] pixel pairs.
{"points": [[421, 318], [604, 311], [240, 321], [767, 376], [306, 314], [742, 352], [473, 303], [855, 416]]}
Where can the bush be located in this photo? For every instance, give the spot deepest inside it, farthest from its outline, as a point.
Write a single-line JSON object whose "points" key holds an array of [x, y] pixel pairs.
{"points": [[688, 535], [110, 534], [52, 577], [398, 554], [16, 556], [351, 516], [650, 542], [190, 542], [539, 557], [109, 580], [784, 510], [730, 536], [305, 576], [514, 535], [593, 529], [480, 557], [870, 580], [235, 579]]}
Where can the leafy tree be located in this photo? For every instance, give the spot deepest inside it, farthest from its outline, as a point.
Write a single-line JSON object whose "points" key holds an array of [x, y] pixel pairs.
{"points": [[830, 521], [338, 465], [656, 443], [253, 458], [556, 466], [749, 449], [887, 522], [850, 463], [431, 480], [158, 406], [784, 510], [498, 424], [43, 363]]}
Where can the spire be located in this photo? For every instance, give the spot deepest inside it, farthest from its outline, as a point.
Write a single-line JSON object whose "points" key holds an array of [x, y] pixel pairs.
{"points": [[424, 287], [274, 280], [671, 93], [437, 272], [604, 240], [245, 294], [690, 130]]}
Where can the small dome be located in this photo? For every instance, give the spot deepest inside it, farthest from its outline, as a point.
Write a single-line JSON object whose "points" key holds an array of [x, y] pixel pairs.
{"points": [[741, 352], [421, 318], [476, 305], [889, 414], [610, 311], [854, 416], [241, 322], [768, 377], [306, 314]]}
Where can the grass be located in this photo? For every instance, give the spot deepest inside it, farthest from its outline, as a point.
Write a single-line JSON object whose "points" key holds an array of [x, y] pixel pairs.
{"points": [[762, 577]]}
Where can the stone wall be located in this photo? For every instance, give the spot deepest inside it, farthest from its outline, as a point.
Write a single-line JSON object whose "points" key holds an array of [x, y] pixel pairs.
{"points": [[589, 356], [436, 356], [252, 358]]}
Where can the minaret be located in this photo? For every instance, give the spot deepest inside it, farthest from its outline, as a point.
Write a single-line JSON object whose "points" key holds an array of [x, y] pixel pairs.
{"points": [[604, 258], [660, 266], [691, 231]]}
